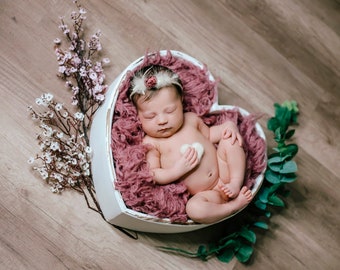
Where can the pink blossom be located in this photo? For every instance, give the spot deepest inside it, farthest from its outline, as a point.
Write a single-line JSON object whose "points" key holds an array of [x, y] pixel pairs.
{"points": [[75, 90], [106, 60], [99, 97], [74, 102], [82, 11], [62, 69], [82, 71], [93, 76], [97, 89], [76, 60], [150, 82], [73, 70]]}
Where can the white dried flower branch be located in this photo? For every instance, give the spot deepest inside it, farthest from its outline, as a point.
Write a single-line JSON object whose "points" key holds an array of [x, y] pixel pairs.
{"points": [[64, 161], [83, 77]]}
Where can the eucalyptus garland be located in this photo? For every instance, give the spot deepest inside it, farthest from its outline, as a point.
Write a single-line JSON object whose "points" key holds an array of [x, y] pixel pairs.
{"points": [[281, 170]]}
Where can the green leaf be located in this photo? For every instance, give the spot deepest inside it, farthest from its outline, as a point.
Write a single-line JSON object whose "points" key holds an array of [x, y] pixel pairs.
{"points": [[289, 134], [228, 240], [226, 255], [272, 177], [275, 167], [291, 105], [295, 107], [273, 124], [287, 104], [276, 201], [213, 248], [275, 158], [202, 252], [283, 115], [289, 150], [244, 253], [294, 118], [261, 224], [248, 235], [274, 188], [260, 205], [278, 157], [289, 167], [288, 178], [267, 214], [276, 149], [278, 135], [263, 194], [278, 111]]}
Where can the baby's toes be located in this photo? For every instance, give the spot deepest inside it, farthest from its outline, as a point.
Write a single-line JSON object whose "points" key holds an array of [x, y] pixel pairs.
{"points": [[249, 195], [229, 192], [244, 190], [221, 186]]}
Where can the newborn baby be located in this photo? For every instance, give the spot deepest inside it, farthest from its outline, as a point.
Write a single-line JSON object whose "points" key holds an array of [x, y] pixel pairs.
{"points": [[182, 148]]}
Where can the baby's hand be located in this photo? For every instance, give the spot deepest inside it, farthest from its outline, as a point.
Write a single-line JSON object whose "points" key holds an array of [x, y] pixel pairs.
{"points": [[188, 160], [231, 131]]}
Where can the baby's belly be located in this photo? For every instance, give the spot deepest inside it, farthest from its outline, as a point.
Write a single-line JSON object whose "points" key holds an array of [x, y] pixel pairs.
{"points": [[204, 177]]}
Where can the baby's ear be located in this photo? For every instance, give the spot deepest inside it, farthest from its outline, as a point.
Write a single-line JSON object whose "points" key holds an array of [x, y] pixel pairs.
{"points": [[182, 98]]}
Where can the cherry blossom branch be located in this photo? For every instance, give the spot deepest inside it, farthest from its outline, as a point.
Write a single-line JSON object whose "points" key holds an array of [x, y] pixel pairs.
{"points": [[64, 161]]}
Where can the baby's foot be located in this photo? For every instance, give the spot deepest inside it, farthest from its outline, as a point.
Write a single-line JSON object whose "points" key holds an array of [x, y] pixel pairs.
{"points": [[230, 190], [244, 197]]}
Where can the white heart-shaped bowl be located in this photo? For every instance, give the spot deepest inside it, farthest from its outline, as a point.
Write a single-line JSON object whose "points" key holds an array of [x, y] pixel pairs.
{"points": [[103, 169]]}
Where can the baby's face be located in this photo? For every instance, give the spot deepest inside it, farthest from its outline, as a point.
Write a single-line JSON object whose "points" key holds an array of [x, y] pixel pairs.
{"points": [[162, 115]]}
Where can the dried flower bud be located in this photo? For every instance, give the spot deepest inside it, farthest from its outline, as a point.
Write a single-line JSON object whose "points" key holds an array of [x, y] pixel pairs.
{"points": [[57, 41], [106, 60]]}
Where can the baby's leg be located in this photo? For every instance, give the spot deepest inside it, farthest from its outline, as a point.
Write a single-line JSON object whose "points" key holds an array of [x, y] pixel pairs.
{"points": [[232, 165], [209, 207]]}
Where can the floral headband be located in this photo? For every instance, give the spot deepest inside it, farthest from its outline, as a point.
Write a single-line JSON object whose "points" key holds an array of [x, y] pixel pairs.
{"points": [[153, 79]]}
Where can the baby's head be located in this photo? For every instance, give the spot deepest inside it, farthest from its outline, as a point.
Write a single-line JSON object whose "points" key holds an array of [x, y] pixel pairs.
{"points": [[149, 80], [157, 94]]}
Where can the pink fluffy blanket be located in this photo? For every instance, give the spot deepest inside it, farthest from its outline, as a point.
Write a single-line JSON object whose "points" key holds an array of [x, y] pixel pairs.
{"points": [[134, 180]]}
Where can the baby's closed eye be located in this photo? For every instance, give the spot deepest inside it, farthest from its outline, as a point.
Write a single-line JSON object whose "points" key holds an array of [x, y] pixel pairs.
{"points": [[170, 109], [149, 115]]}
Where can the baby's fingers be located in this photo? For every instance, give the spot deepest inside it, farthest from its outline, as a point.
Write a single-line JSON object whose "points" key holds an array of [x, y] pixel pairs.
{"points": [[240, 139], [190, 154], [231, 135], [233, 138], [227, 134]]}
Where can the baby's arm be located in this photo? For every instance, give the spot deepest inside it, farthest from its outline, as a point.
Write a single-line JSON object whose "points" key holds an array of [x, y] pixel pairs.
{"points": [[162, 176], [224, 131]]}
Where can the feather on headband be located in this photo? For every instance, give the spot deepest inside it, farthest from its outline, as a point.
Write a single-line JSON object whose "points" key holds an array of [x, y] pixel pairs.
{"points": [[152, 79]]}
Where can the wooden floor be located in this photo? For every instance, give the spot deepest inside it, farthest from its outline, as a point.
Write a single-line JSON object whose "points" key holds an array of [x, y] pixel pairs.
{"points": [[263, 51]]}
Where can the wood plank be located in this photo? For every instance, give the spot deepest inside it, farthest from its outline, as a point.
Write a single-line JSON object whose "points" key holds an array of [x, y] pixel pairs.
{"points": [[297, 34]]}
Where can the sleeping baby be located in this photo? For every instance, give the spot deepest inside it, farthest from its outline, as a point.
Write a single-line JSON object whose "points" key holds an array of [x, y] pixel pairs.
{"points": [[183, 148]]}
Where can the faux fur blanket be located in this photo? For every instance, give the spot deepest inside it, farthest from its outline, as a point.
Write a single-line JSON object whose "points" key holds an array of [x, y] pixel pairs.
{"points": [[134, 180]]}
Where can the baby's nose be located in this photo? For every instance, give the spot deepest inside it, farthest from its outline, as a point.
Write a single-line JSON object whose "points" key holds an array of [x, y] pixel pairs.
{"points": [[162, 120]]}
